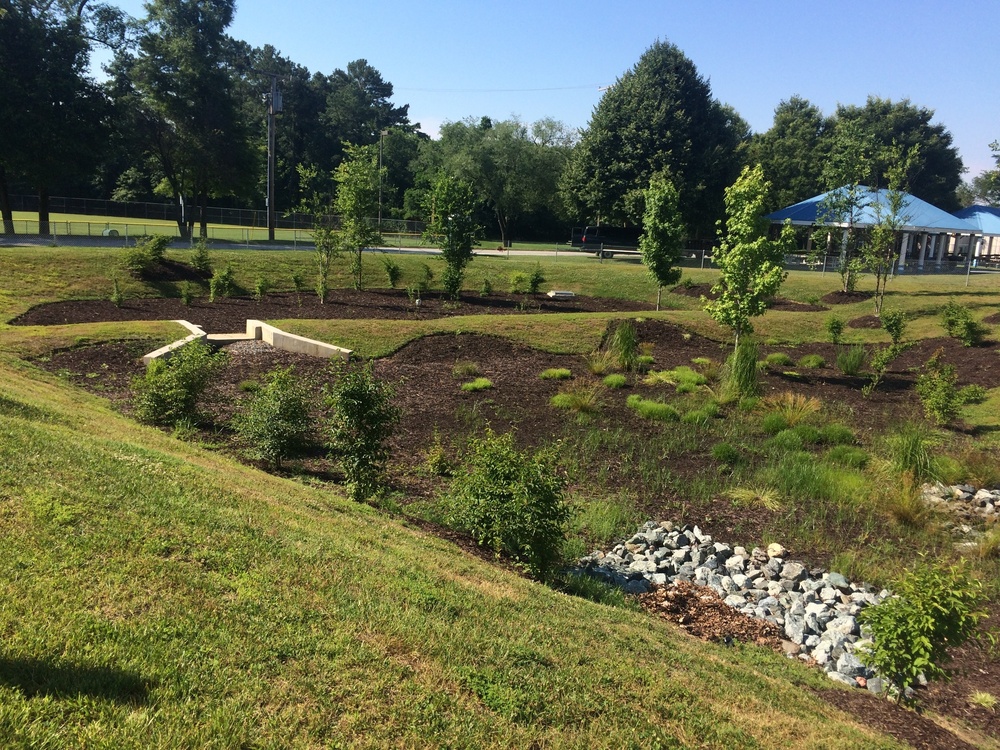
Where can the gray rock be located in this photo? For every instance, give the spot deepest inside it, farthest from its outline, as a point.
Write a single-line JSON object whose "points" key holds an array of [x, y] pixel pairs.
{"points": [[838, 581], [639, 586], [795, 629], [775, 550], [838, 677], [845, 624], [850, 665], [875, 685], [740, 580], [735, 600], [793, 571]]}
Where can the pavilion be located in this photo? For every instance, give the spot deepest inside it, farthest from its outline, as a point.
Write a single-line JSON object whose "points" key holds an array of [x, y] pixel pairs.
{"points": [[987, 219], [929, 234]]}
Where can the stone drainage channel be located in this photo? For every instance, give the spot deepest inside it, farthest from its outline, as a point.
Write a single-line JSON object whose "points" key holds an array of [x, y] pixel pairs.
{"points": [[816, 609]]}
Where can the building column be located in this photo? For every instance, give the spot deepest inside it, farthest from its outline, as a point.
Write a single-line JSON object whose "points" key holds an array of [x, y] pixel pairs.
{"points": [[924, 239], [903, 251]]}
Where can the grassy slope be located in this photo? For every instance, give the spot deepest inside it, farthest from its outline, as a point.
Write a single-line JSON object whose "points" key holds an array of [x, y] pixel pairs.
{"points": [[157, 595]]}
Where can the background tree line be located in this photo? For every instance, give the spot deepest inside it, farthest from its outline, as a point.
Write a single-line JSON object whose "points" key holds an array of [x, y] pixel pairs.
{"points": [[182, 116]]}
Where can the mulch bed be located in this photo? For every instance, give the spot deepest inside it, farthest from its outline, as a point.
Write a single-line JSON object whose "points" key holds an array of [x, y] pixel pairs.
{"points": [[230, 314], [845, 298], [432, 405], [865, 321], [778, 303]]}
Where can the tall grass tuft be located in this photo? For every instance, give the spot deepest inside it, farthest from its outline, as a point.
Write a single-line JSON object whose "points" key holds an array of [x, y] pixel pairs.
{"points": [[851, 360], [740, 374], [583, 398], [910, 450], [655, 410], [794, 407], [624, 345]]}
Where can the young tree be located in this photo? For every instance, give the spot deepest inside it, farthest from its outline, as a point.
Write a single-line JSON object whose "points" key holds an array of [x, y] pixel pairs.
{"points": [[363, 419], [751, 266], [882, 243], [451, 226], [356, 203], [316, 204], [663, 234]]}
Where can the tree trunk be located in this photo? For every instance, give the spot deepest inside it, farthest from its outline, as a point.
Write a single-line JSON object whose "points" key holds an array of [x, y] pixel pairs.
{"points": [[182, 219], [5, 209], [502, 223], [659, 291], [203, 216], [43, 211]]}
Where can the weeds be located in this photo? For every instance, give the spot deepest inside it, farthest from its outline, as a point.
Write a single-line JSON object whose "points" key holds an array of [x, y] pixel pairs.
{"points": [[909, 449], [740, 375], [624, 346]]}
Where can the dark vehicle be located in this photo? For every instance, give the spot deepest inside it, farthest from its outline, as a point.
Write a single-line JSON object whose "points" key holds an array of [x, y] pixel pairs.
{"points": [[576, 237], [605, 241]]}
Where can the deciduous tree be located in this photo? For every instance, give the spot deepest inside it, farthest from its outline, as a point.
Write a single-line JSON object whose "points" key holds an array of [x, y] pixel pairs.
{"points": [[453, 227], [662, 238], [356, 204]]}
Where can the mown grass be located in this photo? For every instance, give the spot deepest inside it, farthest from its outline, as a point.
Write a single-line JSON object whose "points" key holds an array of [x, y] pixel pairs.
{"points": [[156, 595]]}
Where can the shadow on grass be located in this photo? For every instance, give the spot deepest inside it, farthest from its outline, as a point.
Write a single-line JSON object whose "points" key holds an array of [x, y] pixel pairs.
{"points": [[34, 678]]}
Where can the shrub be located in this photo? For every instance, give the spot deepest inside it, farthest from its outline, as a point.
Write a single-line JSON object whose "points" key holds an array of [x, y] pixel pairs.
{"points": [[959, 324], [740, 375], [486, 288], [937, 388], [786, 441], [393, 271], [261, 287], [794, 407], [811, 362], [894, 323], [555, 373], [881, 358], [451, 281], [909, 449], [168, 392], [362, 421], [117, 298], [298, 284], [972, 394], [186, 293], [425, 279], [851, 361], [615, 380], [464, 369], [835, 328], [512, 502], [200, 259], [436, 459], [221, 283], [583, 399], [655, 410], [479, 384], [774, 422], [727, 454], [624, 345], [274, 423], [836, 434], [847, 455], [935, 607], [147, 253], [519, 282], [536, 279], [778, 359]]}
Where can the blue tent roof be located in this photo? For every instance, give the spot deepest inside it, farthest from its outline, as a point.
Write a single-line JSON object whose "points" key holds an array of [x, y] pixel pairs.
{"points": [[987, 218], [920, 215]]}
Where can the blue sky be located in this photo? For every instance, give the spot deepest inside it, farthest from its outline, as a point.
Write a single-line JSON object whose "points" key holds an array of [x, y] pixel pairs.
{"points": [[449, 60]]}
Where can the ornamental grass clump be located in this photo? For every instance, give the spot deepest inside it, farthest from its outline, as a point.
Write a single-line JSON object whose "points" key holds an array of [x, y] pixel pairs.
{"points": [[479, 384], [582, 399], [655, 410], [851, 361], [555, 373]]}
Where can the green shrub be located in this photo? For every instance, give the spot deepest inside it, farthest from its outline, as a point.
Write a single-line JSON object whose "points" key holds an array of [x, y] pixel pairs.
{"points": [[972, 394], [655, 410], [555, 373], [624, 345], [811, 362], [298, 284], [881, 358], [835, 328], [615, 380], [274, 423], [851, 360], [425, 278], [778, 359], [148, 252], [894, 323], [809, 435], [362, 420], [847, 455], [261, 287], [536, 279], [486, 288], [774, 422], [436, 459], [582, 399], [117, 298], [186, 293], [787, 441], [168, 391], [519, 282], [221, 283], [740, 374], [937, 388], [936, 607], [959, 324], [452, 279], [465, 369], [479, 384], [393, 271], [727, 454], [836, 434], [512, 502], [910, 449], [200, 259]]}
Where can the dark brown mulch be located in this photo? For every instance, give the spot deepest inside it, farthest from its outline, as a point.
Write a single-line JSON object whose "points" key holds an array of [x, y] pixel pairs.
{"points": [[778, 303], [702, 613], [993, 319], [230, 315], [865, 321], [845, 298]]}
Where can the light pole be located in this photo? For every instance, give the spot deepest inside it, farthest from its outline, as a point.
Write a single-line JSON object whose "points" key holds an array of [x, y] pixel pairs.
{"points": [[273, 108], [381, 139]]}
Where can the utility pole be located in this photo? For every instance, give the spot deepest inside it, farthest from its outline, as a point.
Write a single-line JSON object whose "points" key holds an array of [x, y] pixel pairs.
{"points": [[381, 139], [274, 107]]}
